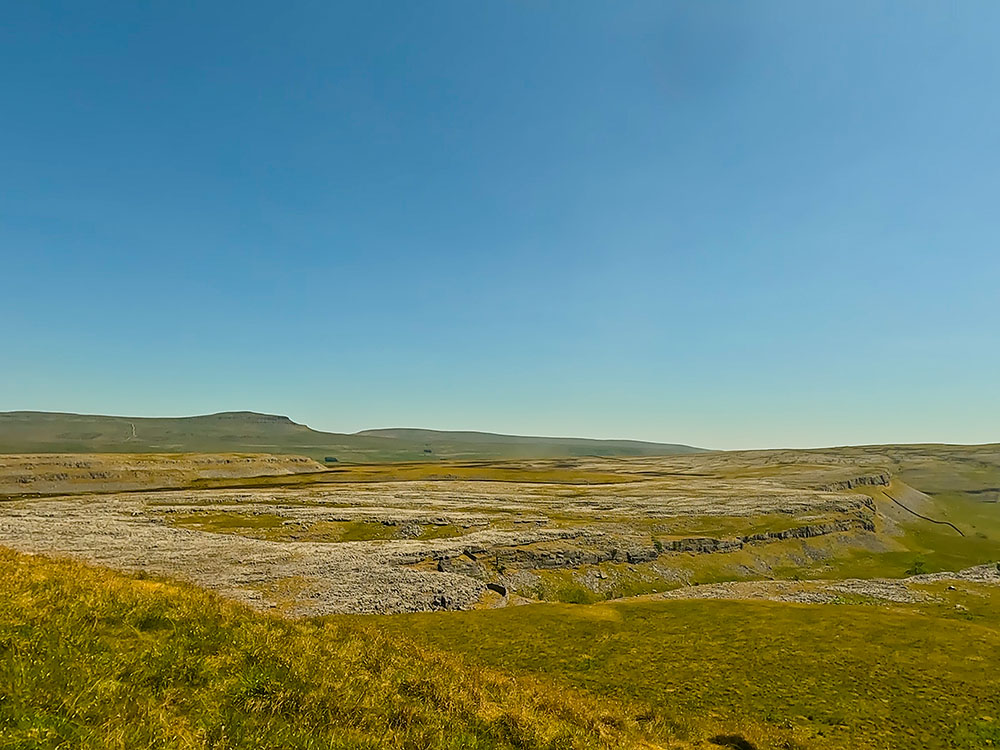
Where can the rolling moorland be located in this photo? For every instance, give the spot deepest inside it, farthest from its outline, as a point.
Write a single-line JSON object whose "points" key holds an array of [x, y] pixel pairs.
{"points": [[835, 598], [249, 432]]}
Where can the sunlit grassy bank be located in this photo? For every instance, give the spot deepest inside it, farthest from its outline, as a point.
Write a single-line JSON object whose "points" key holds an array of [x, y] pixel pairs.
{"points": [[831, 676], [94, 659]]}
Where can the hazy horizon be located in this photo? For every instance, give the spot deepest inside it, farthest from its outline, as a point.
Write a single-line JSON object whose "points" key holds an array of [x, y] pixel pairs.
{"points": [[739, 225]]}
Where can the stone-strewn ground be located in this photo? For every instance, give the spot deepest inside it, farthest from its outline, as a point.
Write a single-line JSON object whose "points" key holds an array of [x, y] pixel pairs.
{"points": [[446, 543], [903, 590]]}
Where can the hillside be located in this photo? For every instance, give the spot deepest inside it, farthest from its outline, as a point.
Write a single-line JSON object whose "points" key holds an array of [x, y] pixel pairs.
{"points": [[851, 673], [249, 432], [475, 444], [93, 659]]}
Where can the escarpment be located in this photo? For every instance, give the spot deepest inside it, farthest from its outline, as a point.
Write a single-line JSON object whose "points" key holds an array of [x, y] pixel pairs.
{"points": [[479, 562], [880, 479]]}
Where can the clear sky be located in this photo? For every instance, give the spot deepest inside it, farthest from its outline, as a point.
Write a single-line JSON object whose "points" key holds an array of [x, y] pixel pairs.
{"points": [[729, 224]]}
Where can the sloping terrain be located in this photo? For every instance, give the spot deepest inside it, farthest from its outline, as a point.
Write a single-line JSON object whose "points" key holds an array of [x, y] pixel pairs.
{"points": [[853, 673], [95, 660], [248, 432]]}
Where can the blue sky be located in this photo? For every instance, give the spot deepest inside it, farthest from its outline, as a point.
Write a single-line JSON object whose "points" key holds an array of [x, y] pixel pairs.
{"points": [[730, 224]]}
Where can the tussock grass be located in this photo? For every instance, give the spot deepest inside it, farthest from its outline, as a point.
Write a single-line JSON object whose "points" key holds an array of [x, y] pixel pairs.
{"points": [[94, 659]]}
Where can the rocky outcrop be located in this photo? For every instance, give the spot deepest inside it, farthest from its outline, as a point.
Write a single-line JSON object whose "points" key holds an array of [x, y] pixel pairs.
{"points": [[465, 564], [701, 545], [711, 544], [988, 573], [819, 591], [881, 479], [544, 556], [477, 563], [810, 530]]}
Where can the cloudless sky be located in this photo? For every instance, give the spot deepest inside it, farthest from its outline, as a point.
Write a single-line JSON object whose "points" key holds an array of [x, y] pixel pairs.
{"points": [[728, 224]]}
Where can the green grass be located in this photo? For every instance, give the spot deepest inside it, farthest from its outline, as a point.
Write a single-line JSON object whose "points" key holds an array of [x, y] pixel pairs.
{"points": [[916, 542], [827, 676], [96, 660], [274, 528], [562, 586], [364, 531], [440, 531], [227, 522], [620, 580]]}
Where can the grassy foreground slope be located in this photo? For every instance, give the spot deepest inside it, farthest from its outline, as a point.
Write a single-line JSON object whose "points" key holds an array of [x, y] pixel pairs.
{"points": [[95, 659], [249, 432], [852, 675]]}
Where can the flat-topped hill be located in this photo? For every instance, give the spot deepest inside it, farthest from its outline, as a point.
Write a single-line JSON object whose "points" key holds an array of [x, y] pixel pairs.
{"points": [[250, 432]]}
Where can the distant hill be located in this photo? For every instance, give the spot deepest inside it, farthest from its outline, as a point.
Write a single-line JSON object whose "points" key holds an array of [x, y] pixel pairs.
{"points": [[51, 432], [460, 443]]}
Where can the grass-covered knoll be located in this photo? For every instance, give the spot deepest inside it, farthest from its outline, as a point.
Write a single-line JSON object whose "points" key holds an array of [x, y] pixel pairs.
{"points": [[94, 659], [790, 675]]}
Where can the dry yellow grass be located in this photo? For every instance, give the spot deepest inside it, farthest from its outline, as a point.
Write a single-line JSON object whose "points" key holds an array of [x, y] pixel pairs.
{"points": [[94, 659]]}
